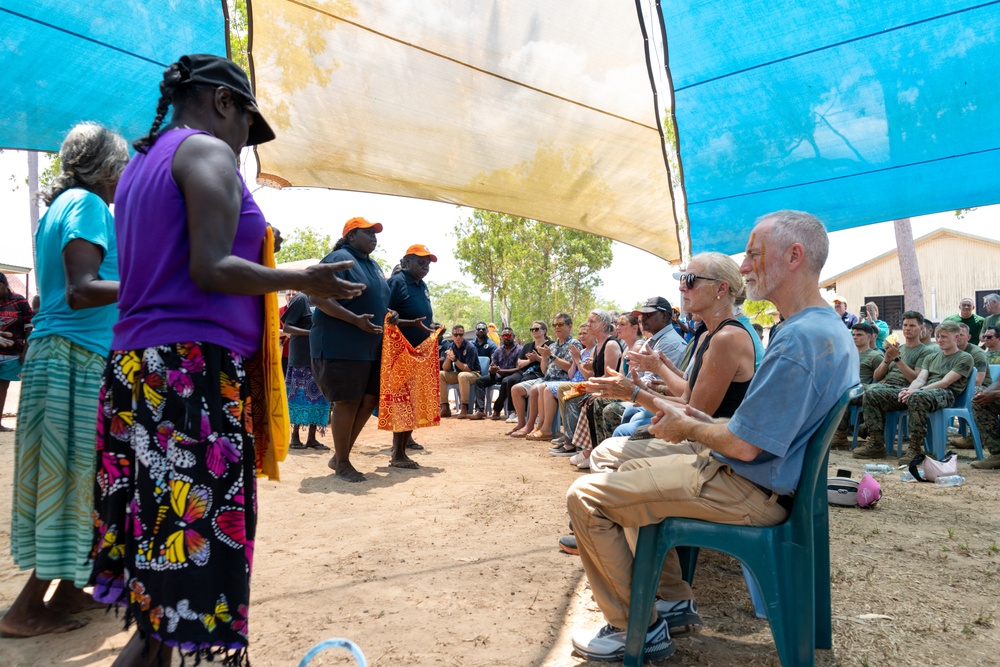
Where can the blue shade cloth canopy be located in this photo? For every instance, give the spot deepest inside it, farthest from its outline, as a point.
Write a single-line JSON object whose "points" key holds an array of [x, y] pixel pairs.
{"points": [[859, 112], [65, 62]]}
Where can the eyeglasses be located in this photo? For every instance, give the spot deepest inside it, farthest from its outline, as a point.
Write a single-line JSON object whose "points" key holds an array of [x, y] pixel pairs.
{"points": [[688, 279], [480, 328], [535, 329], [989, 337], [458, 335], [559, 324]]}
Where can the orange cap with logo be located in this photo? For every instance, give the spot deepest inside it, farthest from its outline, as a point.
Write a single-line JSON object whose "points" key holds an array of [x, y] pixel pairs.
{"points": [[361, 223], [420, 250]]}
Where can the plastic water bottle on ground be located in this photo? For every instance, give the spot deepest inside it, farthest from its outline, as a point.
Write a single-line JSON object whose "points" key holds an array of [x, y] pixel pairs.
{"points": [[878, 468], [905, 476], [950, 480]]}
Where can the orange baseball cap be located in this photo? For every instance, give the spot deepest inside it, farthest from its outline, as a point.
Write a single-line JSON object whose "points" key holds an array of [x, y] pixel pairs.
{"points": [[361, 223], [420, 250]]}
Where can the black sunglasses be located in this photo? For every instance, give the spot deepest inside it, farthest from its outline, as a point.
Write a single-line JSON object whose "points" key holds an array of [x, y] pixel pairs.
{"points": [[535, 329], [688, 279]]}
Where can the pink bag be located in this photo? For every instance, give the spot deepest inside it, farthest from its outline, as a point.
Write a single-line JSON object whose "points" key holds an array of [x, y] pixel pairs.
{"points": [[934, 468]]}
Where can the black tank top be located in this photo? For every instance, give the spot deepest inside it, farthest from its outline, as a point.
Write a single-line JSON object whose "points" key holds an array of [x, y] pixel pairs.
{"points": [[736, 390], [599, 364]]}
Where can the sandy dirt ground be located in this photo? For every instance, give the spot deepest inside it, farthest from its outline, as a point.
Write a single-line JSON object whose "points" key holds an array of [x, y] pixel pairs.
{"points": [[456, 564]]}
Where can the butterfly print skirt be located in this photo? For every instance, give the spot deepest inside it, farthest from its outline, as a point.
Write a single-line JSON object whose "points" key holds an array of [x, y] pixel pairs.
{"points": [[175, 495]]}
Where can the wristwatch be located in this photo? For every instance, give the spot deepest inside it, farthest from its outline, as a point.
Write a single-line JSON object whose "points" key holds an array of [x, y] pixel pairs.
{"points": [[896, 360]]}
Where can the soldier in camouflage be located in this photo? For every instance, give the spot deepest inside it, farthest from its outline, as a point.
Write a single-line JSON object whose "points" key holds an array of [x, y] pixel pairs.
{"points": [[942, 378]]}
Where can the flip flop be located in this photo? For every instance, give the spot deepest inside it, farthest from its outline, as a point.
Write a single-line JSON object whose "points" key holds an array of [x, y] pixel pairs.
{"points": [[409, 465], [297, 445], [319, 446], [518, 435], [414, 445], [538, 436]]}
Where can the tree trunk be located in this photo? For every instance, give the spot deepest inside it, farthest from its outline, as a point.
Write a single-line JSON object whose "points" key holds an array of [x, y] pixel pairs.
{"points": [[913, 291], [33, 210]]}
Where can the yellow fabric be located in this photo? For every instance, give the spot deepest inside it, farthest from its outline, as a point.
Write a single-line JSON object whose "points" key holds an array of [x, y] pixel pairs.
{"points": [[269, 403], [538, 109]]}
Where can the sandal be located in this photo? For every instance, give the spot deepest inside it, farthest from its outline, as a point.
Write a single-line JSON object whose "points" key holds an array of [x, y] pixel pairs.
{"points": [[538, 436]]}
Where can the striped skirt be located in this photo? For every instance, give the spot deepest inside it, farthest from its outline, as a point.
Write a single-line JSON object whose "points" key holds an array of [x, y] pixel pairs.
{"points": [[54, 460]]}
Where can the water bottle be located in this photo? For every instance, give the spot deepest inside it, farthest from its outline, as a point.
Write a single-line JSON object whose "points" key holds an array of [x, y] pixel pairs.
{"points": [[950, 480], [905, 476], [877, 468]]}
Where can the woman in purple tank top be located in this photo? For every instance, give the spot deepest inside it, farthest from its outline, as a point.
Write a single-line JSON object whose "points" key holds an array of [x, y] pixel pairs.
{"points": [[175, 493]]}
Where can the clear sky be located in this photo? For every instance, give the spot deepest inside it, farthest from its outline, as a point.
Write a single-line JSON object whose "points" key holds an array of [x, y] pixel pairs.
{"points": [[409, 221]]}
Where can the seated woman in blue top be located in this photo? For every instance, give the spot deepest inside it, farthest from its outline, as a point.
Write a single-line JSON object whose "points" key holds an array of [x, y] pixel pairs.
{"points": [[346, 343], [720, 373]]}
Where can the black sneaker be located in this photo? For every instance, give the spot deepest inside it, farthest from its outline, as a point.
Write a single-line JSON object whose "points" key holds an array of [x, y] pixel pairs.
{"points": [[609, 643], [681, 617]]}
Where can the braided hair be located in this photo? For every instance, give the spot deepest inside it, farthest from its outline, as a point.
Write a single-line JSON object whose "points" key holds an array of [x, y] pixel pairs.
{"points": [[177, 89], [173, 77]]}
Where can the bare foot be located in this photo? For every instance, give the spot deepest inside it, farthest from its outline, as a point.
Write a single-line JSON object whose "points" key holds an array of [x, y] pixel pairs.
{"points": [[332, 463], [348, 473], [521, 433], [42, 623], [69, 599], [404, 462]]}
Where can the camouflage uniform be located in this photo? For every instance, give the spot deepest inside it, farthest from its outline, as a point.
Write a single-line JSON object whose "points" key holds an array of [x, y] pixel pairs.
{"points": [[988, 421], [879, 399], [870, 360]]}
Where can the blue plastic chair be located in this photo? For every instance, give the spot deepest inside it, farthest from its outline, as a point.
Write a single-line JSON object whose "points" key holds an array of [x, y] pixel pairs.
{"points": [[937, 431], [854, 419], [790, 562], [897, 427]]}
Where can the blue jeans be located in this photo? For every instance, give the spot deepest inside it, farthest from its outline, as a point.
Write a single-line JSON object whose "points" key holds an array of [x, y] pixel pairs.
{"points": [[634, 417]]}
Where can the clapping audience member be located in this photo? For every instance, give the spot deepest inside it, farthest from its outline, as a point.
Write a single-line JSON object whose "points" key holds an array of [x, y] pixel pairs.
{"points": [[459, 365], [721, 370], [503, 364], [569, 408], [557, 364], [530, 365]]}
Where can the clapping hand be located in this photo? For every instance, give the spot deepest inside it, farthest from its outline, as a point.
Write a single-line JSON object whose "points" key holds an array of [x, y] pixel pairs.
{"points": [[6, 339], [545, 351], [612, 385]]}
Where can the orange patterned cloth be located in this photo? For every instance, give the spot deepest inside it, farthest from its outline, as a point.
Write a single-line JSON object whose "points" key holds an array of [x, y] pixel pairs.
{"points": [[410, 395], [268, 401]]}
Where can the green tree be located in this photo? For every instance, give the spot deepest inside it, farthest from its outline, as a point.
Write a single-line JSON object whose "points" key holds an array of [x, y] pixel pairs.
{"points": [[531, 269], [457, 304], [305, 243], [760, 312], [239, 33]]}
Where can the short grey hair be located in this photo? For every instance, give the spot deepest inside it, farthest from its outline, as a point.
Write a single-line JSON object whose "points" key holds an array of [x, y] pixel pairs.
{"points": [[991, 298], [789, 227], [605, 317], [91, 156]]}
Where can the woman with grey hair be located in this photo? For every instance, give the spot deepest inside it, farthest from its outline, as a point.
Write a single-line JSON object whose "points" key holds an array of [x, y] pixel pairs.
{"points": [[54, 448]]}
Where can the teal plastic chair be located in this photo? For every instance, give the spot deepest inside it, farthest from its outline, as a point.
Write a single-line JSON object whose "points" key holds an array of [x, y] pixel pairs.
{"points": [[937, 432], [790, 562]]}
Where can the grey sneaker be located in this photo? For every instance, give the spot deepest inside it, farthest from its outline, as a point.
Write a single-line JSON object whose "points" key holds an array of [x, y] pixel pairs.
{"points": [[608, 645], [568, 544], [681, 617]]}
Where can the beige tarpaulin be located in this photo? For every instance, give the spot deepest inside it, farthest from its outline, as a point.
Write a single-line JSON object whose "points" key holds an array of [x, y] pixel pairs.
{"points": [[538, 109]]}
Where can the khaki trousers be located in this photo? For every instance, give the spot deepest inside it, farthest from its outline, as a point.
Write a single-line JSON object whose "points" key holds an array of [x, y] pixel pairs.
{"points": [[610, 454], [607, 509], [464, 380]]}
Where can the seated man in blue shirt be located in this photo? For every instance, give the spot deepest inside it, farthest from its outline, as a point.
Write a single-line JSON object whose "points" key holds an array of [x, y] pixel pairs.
{"points": [[459, 365], [745, 469]]}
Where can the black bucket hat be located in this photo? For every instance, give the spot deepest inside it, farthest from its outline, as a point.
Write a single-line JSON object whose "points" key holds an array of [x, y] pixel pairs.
{"points": [[219, 71]]}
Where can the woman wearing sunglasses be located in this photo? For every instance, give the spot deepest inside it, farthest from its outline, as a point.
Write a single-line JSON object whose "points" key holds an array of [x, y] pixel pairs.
{"points": [[720, 370]]}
